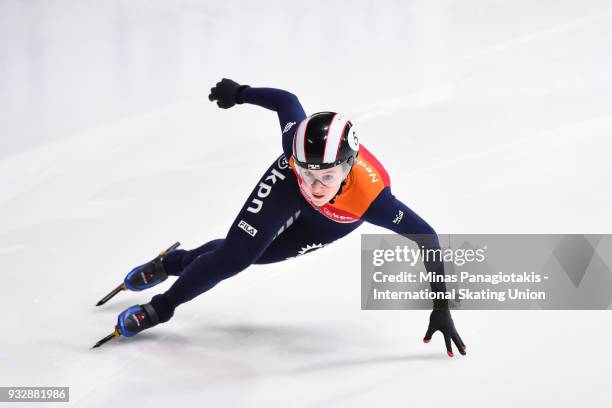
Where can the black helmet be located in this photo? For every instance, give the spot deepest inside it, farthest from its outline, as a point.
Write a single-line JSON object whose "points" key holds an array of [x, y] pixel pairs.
{"points": [[324, 140]]}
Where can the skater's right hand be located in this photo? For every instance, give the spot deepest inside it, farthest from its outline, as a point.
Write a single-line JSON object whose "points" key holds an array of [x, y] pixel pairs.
{"points": [[225, 93]]}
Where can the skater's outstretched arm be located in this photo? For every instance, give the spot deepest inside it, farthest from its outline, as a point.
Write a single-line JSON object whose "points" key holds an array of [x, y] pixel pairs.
{"points": [[285, 104], [227, 93], [389, 212]]}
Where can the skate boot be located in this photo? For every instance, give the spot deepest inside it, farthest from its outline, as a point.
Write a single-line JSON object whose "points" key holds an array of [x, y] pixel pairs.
{"points": [[143, 276], [137, 318], [146, 276]]}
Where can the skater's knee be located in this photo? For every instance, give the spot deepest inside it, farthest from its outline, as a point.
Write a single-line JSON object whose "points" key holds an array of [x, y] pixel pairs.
{"points": [[235, 258]]}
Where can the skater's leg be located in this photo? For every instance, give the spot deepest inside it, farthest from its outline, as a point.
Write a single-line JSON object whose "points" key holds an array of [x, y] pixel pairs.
{"points": [[299, 234], [176, 261], [275, 198]]}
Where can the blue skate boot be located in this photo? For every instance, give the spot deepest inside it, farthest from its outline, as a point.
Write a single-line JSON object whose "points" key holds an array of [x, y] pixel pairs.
{"points": [[144, 276], [135, 319]]}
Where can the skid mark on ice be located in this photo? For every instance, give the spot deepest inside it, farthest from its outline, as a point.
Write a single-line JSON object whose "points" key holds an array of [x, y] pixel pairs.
{"points": [[535, 142], [537, 35], [415, 100], [439, 94]]}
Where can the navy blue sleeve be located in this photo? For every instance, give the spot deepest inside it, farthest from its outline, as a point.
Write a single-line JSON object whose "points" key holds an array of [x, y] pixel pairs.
{"points": [[285, 104], [388, 212]]}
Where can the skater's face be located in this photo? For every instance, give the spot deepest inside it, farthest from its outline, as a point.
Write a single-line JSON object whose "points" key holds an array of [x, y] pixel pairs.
{"points": [[322, 185]]}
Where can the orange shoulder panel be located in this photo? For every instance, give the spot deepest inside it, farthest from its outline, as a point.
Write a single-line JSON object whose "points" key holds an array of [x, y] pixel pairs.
{"points": [[365, 181]]}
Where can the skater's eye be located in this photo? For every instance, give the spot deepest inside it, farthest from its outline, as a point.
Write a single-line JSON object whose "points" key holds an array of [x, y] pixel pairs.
{"points": [[308, 176], [328, 178]]}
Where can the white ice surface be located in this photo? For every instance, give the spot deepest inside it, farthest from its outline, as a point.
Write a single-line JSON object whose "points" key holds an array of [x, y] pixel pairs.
{"points": [[491, 117]]}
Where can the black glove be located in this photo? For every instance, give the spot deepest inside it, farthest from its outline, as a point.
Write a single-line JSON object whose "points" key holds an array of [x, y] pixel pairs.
{"points": [[442, 320], [225, 93]]}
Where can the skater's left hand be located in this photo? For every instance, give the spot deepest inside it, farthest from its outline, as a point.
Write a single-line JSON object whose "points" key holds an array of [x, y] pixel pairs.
{"points": [[442, 320]]}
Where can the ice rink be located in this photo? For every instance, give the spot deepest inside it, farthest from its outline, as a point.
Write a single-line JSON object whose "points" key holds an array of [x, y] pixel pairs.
{"points": [[490, 116]]}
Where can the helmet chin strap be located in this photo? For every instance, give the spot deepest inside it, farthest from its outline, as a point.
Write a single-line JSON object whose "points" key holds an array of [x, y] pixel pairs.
{"points": [[339, 190], [351, 163], [338, 193]]}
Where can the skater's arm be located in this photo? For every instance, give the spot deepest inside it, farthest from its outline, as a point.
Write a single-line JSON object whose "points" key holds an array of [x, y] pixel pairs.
{"points": [[285, 104], [228, 93], [388, 212]]}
